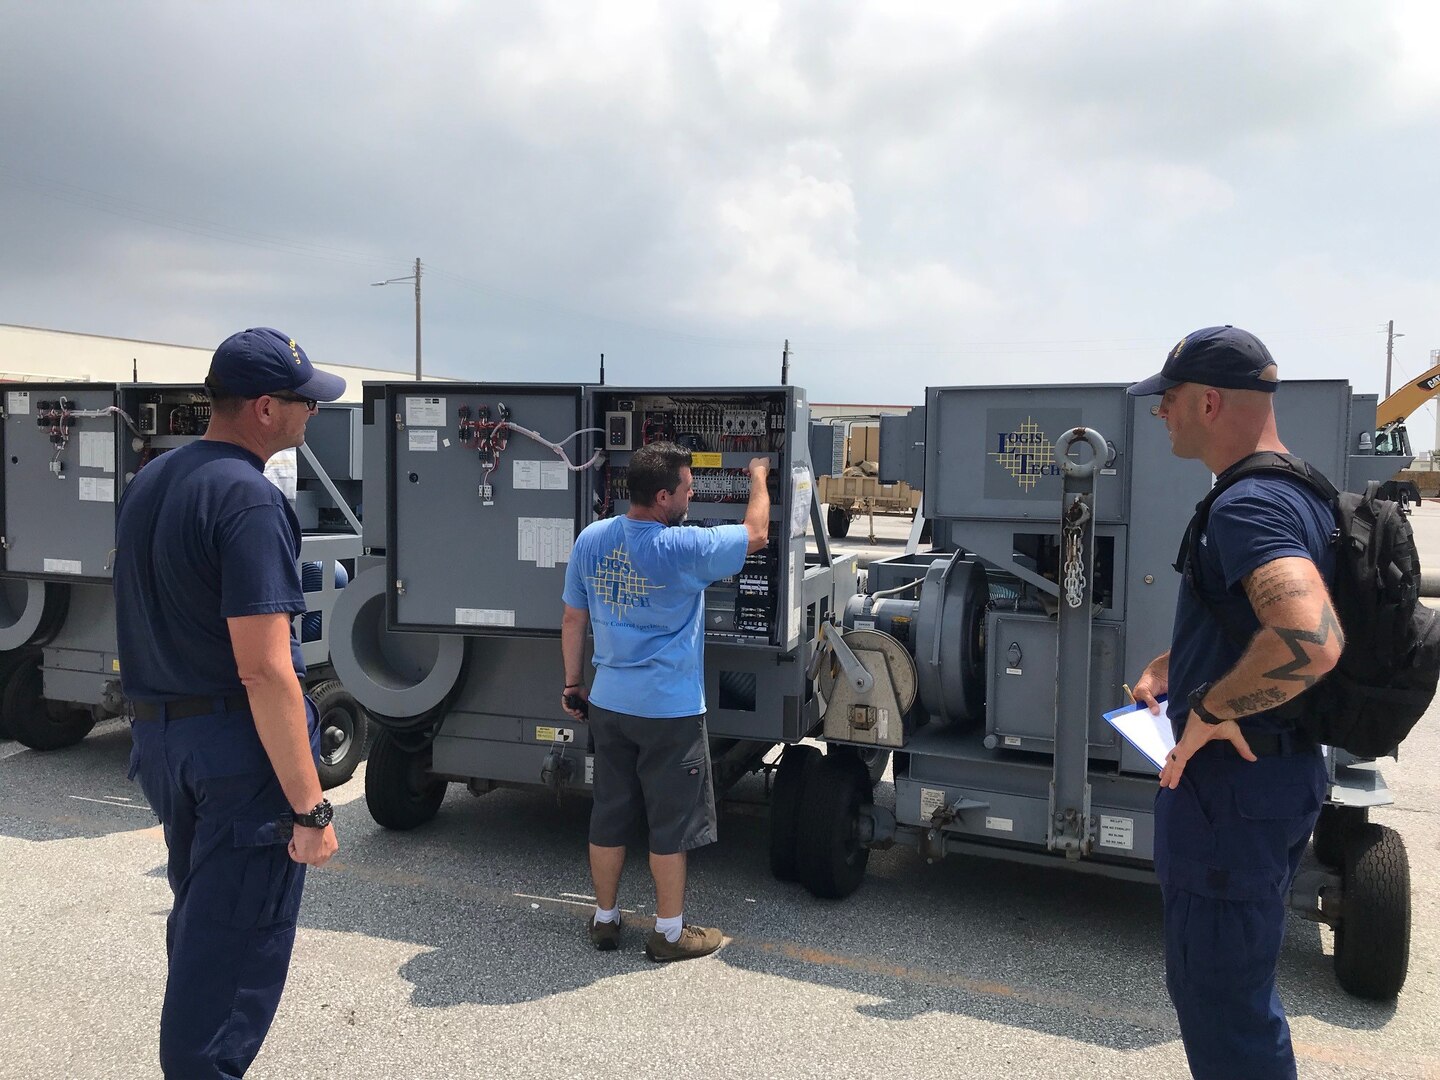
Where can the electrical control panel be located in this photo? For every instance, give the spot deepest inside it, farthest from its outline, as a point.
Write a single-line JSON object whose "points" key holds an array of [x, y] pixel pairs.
{"points": [[489, 484], [60, 480], [483, 502], [70, 449], [723, 430]]}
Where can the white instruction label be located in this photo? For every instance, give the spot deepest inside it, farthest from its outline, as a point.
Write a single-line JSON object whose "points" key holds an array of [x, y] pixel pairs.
{"points": [[97, 451], [96, 489], [1012, 740], [62, 566], [1000, 824], [17, 402], [554, 476], [1117, 832], [470, 616], [423, 439], [882, 725], [590, 769], [546, 541], [526, 476], [930, 801], [425, 412]]}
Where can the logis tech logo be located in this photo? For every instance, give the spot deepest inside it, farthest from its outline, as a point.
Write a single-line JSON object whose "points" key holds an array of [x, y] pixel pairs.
{"points": [[1026, 453], [619, 585]]}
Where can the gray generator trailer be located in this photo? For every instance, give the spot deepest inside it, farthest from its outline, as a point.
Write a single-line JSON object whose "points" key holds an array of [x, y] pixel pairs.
{"points": [[986, 664], [450, 638], [69, 449]]}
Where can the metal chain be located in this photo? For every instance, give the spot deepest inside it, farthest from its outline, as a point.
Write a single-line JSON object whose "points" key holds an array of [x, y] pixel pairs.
{"points": [[1074, 579]]}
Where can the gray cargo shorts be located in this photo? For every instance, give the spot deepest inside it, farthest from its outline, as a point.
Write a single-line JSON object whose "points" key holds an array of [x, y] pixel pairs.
{"points": [[651, 771]]}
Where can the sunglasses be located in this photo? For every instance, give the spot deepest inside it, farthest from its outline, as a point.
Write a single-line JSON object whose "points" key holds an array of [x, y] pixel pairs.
{"points": [[310, 403]]}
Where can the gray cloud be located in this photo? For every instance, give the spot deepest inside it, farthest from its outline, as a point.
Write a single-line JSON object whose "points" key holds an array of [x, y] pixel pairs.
{"points": [[917, 195]]}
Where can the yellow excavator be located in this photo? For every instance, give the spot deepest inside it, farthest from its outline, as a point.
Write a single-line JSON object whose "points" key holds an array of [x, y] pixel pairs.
{"points": [[1390, 434], [1391, 438]]}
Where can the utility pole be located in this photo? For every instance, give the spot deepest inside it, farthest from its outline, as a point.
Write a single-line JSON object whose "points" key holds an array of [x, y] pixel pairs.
{"points": [[1390, 336], [416, 278], [417, 318]]}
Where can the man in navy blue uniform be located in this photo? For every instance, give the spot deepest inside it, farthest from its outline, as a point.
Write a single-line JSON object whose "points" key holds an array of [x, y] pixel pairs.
{"points": [[206, 584], [1240, 793]]}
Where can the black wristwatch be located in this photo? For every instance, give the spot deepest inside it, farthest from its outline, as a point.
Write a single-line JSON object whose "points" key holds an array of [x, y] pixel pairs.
{"points": [[319, 816], [1196, 701]]}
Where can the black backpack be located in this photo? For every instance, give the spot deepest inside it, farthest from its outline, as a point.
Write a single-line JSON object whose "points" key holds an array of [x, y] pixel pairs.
{"points": [[1388, 670]]}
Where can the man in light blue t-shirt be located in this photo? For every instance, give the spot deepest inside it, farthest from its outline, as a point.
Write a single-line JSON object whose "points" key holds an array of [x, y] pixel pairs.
{"points": [[641, 584]]}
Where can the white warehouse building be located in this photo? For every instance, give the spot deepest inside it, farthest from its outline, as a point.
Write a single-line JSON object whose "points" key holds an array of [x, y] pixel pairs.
{"points": [[34, 354]]}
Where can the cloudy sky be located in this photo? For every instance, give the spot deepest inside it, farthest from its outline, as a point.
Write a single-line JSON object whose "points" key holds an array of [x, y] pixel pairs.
{"points": [[912, 193]]}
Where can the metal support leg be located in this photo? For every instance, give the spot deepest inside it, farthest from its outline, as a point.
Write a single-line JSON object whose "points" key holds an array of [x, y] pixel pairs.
{"points": [[1070, 826]]}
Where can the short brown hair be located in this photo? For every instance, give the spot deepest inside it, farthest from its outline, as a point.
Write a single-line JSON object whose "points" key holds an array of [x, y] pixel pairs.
{"points": [[654, 468]]}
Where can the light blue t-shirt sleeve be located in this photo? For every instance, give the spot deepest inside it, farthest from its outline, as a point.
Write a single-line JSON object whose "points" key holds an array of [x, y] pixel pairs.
{"points": [[708, 554], [575, 595]]}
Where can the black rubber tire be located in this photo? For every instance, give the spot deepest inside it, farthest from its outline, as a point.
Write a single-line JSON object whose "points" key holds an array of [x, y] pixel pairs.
{"points": [[797, 764], [9, 661], [875, 761], [1372, 940], [837, 522], [1332, 828], [35, 722], [832, 860], [399, 790], [344, 731]]}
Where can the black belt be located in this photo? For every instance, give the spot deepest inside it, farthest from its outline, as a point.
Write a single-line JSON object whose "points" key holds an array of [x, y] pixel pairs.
{"points": [[1273, 743], [180, 708]]}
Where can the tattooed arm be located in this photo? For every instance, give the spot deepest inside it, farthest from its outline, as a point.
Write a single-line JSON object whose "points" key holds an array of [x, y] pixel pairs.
{"points": [[1299, 640]]}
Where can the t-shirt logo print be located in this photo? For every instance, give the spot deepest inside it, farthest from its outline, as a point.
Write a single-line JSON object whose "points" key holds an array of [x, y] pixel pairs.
{"points": [[618, 585]]}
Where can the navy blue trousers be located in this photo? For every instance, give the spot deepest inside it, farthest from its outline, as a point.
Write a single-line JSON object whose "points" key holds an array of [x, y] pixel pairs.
{"points": [[1228, 841], [237, 891]]}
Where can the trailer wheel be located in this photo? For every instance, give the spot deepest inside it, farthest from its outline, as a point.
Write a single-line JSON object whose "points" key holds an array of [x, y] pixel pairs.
{"points": [[344, 729], [797, 765], [1372, 938], [9, 662], [832, 860], [35, 722], [1333, 827], [837, 522], [875, 761], [399, 790]]}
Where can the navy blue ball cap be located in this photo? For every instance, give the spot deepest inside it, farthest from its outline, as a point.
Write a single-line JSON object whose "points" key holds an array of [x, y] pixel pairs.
{"points": [[1223, 356], [262, 360]]}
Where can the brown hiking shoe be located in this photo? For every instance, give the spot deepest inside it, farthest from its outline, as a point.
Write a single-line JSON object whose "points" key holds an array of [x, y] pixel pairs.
{"points": [[605, 936], [693, 942]]}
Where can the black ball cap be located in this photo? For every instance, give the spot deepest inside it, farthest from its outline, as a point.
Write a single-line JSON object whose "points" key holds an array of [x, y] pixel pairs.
{"points": [[1223, 356]]}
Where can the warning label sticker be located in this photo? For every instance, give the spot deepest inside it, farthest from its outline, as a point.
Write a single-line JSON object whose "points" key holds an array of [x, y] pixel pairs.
{"points": [[1117, 832]]}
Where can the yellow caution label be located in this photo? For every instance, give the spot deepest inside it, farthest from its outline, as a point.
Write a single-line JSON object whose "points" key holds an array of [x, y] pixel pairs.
{"points": [[705, 461], [115, 665], [554, 734]]}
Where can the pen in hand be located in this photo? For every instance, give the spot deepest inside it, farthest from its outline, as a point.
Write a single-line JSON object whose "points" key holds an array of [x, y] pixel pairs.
{"points": [[1129, 694]]}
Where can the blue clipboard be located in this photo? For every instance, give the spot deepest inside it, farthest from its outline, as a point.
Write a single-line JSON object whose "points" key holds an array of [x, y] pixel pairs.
{"points": [[1151, 735]]}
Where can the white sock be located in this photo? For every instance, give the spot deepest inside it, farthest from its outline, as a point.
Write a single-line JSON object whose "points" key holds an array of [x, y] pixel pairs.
{"points": [[671, 927], [601, 915]]}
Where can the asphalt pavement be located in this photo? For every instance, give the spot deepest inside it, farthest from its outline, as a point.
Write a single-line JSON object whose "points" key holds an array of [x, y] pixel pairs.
{"points": [[458, 950]]}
